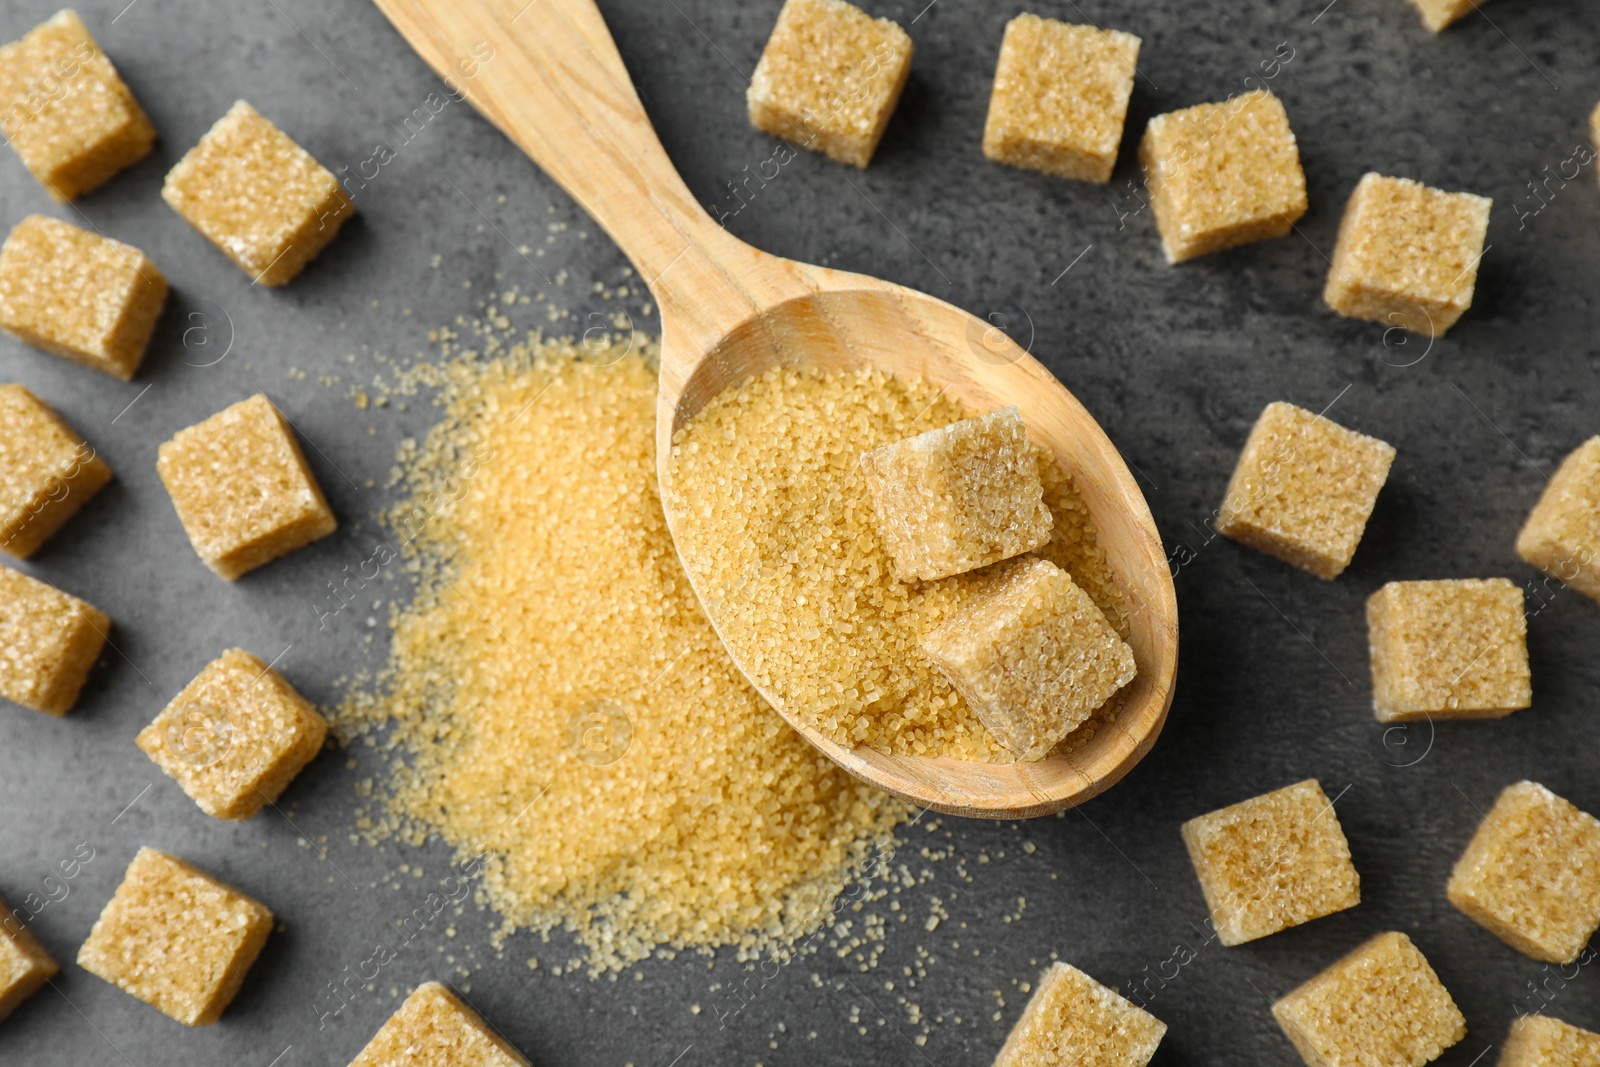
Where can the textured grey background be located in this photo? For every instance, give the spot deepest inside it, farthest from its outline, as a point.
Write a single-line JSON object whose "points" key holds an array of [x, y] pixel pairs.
{"points": [[1176, 363]]}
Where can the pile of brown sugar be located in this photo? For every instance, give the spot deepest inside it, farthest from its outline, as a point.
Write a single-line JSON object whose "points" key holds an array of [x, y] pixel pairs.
{"points": [[560, 704], [777, 528]]}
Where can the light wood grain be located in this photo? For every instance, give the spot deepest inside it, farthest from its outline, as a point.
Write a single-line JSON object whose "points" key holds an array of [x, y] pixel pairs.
{"points": [[557, 87]]}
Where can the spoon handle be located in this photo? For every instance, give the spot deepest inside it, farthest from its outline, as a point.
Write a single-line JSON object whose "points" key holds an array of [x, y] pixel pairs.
{"points": [[548, 75]]}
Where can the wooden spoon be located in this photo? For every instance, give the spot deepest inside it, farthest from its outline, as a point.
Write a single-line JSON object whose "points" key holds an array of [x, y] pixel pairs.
{"points": [[547, 73]]}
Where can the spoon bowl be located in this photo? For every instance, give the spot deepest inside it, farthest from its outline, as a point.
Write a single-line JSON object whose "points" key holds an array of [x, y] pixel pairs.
{"points": [[547, 73]]}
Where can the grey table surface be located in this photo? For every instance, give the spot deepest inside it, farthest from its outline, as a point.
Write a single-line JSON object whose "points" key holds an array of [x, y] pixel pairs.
{"points": [[1175, 362]]}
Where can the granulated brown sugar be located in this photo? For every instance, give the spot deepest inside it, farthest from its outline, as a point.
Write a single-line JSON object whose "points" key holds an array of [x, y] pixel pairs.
{"points": [[778, 528], [559, 702]]}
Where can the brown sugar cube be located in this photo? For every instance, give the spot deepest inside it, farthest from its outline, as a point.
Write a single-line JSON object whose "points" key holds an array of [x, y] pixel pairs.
{"points": [[47, 472], [1033, 657], [1407, 255], [1072, 1019], [24, 965], [235, 737], [829, 78], [1531, 875], [1304, 489], [1562, 534], [1222, 175], [48, 642], [435, 1028], [257, 196], [1540, 1041], [1381, 1004], [176, 938], [958, 498], [1272, 862], [1454, 649], [1437, 14], [1060, 97], [242, 489], [78, 295], [66, 110]]}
